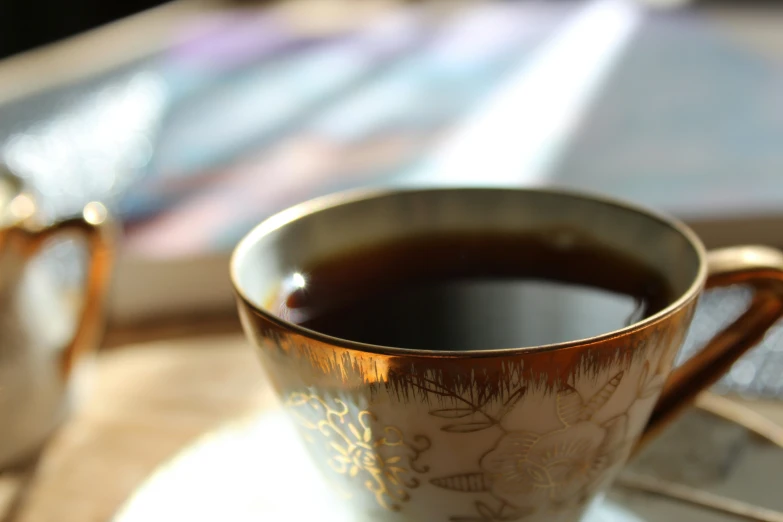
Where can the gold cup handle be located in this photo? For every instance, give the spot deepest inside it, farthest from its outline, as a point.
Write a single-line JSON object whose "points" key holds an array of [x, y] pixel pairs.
{"points": [[96, 227], [758, 266]]}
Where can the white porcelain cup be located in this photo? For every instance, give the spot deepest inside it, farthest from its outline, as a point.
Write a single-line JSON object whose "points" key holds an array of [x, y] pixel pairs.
{"points": [[531, 433]]}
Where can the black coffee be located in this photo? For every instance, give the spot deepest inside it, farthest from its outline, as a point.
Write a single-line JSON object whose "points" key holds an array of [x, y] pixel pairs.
{"points": [[464, 292]]}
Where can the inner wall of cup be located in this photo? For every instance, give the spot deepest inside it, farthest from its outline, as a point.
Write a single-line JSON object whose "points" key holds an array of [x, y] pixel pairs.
{"points": [[263, 265]]}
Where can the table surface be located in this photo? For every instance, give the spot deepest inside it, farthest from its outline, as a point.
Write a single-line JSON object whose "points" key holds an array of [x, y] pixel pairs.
{"points": [[146, 402]]}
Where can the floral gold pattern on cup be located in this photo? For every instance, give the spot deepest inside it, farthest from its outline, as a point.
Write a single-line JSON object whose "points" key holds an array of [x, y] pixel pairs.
{"points": [[383, 460], [560, 467], [522, 472]]}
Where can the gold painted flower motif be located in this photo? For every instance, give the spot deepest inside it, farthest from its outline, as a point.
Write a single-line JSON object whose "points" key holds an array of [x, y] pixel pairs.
{"points": [[382, 458], [360, 452], [558, 469], [561, 463]]}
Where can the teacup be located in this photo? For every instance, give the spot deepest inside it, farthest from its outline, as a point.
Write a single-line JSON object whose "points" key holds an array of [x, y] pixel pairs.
{"points": [[529, 433], [43, 330]]}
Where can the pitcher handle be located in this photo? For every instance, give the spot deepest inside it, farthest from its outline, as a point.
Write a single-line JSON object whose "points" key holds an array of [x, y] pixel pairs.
{"points": [[762, 268], [96, 227]]}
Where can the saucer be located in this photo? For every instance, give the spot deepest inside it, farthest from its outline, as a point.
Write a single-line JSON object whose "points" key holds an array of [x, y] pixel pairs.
{"points": [[258, 470]]}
